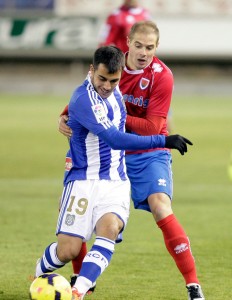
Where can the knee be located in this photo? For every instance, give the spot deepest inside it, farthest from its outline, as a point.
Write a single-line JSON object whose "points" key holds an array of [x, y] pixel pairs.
{"points": [[160, 205], [112, 230], [68, 248], [66, 253], [109, 226], [115, 229]]}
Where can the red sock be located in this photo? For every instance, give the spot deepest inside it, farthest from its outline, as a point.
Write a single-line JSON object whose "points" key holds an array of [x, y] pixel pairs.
{"points": [[177, 243], [77, 262]]}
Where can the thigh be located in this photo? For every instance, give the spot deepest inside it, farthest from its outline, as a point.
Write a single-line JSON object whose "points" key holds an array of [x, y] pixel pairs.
{"points": [[68, 247], [84, 202], [149, 173], [109, 226], [75, 217], [114, 198], [160, 205]]}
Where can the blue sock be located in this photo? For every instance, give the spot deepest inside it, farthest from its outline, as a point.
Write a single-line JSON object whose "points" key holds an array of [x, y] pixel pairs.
{"points": [[49, 261], [97, 259]]}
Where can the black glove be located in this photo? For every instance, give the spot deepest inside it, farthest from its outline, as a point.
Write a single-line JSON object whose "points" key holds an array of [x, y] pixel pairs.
{"points": [[177, 142]]}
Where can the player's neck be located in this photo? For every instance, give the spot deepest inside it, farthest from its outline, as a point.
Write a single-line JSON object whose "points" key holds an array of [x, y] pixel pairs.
{"points": [[127, 7], [129, 65]]}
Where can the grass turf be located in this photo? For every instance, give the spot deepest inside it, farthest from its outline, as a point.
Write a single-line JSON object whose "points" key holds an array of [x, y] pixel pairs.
{"points": [[32, 160]]}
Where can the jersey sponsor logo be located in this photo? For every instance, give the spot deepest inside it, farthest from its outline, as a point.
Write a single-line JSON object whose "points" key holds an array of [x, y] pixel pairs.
{"points": [[157, 68], [136, 101], [102, 261], [99, 113], [144, 82], [181, 248], [124, 105], [68, 164]]}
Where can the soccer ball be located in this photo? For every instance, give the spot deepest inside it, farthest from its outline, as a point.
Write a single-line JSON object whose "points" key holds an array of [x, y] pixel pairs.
{"points": [[50, 286]]}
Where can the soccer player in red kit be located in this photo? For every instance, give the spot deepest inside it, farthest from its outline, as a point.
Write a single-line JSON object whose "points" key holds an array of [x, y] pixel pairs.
{"points": [[118, 24], [146, 85]]}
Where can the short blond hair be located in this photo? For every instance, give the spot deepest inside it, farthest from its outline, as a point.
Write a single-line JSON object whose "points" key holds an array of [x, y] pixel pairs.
{"points": [[144, 27]]}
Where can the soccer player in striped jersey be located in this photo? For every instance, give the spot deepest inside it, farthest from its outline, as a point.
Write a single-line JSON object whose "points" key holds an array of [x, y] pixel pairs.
{"points": [[147, 85], [96, 194]]}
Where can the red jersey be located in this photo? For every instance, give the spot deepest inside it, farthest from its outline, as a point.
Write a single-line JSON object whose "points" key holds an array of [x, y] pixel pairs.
{"points": [[147, 94], [118, 25]]}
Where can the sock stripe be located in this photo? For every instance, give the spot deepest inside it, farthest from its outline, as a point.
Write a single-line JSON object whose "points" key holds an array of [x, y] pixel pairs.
{"points": [[104, 243], [50, 254]]}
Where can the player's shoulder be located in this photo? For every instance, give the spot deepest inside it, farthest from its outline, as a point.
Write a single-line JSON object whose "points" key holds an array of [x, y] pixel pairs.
{"points": [[139, 10], [115, 12], [113, 17], [160, 67], [81, 89], [145, 12], [82, 93]]}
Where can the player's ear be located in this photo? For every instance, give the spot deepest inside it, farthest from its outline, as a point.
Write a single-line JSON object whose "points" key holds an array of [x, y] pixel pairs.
{"points": [[128, 41], [157, 43], [91, 70]]}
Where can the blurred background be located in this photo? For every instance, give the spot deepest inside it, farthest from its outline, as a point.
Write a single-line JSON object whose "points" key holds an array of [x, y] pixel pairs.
{"points": [[46, 45]]}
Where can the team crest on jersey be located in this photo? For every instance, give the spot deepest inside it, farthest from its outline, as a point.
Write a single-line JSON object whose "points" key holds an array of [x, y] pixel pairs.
{"points": [[68, 164], [69, 221], [99, 113], [144, 82]]}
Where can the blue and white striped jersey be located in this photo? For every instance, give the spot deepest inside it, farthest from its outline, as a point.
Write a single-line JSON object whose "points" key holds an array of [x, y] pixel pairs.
{"points": [[89, 157]]}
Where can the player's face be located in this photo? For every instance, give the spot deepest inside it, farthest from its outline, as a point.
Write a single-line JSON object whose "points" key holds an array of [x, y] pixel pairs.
{"points": [[142, 48], [103, 82]]}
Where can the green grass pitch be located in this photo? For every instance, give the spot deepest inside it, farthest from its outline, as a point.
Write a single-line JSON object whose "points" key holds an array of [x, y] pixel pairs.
{"points": [[32, 160]]}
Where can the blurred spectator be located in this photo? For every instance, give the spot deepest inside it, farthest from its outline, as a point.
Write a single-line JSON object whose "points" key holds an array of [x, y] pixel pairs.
{"points": [[119, 22]]}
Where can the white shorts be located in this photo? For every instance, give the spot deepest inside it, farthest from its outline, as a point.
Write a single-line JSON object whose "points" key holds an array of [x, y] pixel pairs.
{"points": [[84, 202]]}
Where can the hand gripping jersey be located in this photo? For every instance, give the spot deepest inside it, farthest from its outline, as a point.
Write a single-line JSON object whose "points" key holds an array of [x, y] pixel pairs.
{"points": [[118, 25], [147, 93]]}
